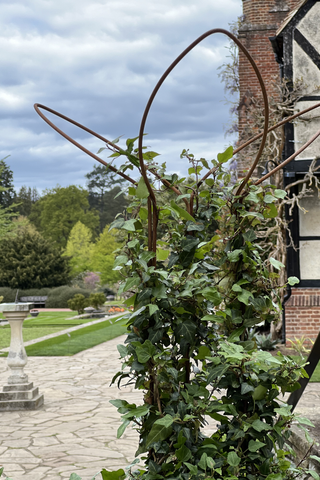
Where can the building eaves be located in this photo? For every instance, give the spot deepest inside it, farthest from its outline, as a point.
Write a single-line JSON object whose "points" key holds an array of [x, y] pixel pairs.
{"points": [[290, 17]]}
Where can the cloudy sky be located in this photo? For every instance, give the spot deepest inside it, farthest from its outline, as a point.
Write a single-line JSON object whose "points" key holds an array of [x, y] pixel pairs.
{"points": [[97, 61]]}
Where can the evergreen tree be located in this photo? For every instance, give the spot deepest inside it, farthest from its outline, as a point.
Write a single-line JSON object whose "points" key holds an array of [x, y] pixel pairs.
{"points": [[7, 192], [30, 261], [7, 226], [103, 186], [25, 199]]}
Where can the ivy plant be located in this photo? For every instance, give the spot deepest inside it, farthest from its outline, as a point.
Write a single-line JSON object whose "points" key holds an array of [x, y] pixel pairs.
{"points": [[197, 289]]}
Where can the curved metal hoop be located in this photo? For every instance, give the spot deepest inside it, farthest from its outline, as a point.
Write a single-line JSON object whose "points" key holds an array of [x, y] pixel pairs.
{"points": [[38, 106], [169, 70]]}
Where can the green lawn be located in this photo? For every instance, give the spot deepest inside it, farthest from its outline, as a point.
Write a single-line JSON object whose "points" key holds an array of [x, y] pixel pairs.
{"points": [[79, 340], [44, 324]]}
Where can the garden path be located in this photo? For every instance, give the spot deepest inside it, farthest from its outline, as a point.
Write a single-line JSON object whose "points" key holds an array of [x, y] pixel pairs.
{"points": [[75, 430]]}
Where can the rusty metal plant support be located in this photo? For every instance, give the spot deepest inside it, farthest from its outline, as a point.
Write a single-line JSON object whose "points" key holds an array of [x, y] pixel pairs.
{"points": [[145, 170]]}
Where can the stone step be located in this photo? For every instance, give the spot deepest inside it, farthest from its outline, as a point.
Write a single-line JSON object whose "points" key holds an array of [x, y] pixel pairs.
{"points": [[19, 394], [9, 405], [18, 387]]}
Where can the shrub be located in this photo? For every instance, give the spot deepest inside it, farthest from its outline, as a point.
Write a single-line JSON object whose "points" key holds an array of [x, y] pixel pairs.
{"points": [[8, 294], [30, 261], [58, 297], [34, 292], [265, 342], [78, 303], [96, 300]]}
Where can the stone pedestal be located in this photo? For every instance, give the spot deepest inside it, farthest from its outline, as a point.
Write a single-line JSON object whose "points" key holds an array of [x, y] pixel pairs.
{"points": [[19, 393]]}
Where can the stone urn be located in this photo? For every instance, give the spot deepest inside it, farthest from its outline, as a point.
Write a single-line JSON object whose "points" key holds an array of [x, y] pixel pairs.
{"points": [[18, 394]]}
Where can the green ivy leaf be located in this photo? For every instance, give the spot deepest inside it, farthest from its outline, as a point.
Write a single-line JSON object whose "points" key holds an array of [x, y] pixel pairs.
{"points": [[183, 454], [259, 392], [271, 211], [246, 388], [122, 428], [181, 212], [162, 255], [129, 225], [293, 281], [234, 256], [255, 445], [203, 353], [122, 349], [157, 434], [142, 189], [143, 213], [138, 412], [153, 309], [115, 475], [74, 476], [253, 197], [274, 476], [259, 426], [166, 421], [315, 457], [313, 474], [269, 198], [211, 293], [226, 155], [119, 403], [279, 193], [233, 459], [217, 372], [193, 468], [203, 461], [187, 330], [245, 296], [278, 265]]}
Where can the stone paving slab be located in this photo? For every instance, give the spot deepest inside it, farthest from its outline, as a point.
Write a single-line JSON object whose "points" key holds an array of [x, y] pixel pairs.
{"points": [[75, 430]]}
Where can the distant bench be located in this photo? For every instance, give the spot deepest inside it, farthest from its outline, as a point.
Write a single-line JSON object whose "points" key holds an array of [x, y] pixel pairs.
{"points": [[39, 302]]}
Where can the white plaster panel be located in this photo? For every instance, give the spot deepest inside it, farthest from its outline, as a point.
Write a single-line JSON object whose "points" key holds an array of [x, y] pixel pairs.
{"points": [[309, 222], [309, 26], [305, 128], [310, 260], [305, 69]]}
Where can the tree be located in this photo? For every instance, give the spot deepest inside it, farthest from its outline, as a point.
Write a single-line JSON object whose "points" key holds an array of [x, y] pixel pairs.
{"points": [[103, 186], [25, 199], [23, 225], [7, 226], [79, 248], [7, 192], [103, 257], [56, 213], [30, 261]]}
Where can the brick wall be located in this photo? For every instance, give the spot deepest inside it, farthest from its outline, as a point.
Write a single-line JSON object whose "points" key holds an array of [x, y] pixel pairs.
{"points": [[302, 312], [261, 19]]}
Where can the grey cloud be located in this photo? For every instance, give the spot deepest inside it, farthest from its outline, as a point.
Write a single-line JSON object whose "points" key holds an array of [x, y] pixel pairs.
{"points": [[98, 61]]}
